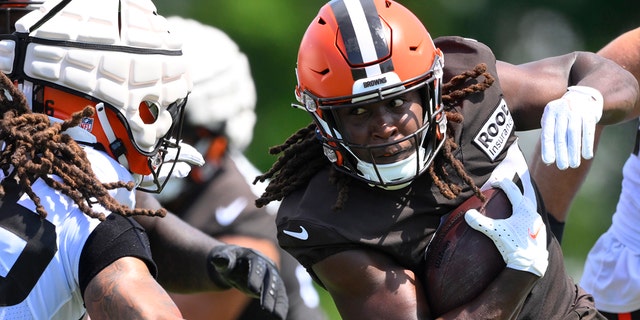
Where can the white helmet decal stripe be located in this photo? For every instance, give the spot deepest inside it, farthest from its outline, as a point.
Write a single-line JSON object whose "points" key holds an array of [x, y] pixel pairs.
{"points": [[364, 37], [362, 31]]}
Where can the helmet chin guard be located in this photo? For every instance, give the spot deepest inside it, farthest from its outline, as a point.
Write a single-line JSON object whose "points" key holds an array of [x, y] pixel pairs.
{"points": [[395, 175]]}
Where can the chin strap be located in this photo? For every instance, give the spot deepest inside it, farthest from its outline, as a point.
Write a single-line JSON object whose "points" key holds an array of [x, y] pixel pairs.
{"points": [[115, 145]]}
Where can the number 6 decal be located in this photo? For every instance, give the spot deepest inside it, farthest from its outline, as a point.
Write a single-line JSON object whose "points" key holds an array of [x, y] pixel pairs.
{"points": [[40, 236]]}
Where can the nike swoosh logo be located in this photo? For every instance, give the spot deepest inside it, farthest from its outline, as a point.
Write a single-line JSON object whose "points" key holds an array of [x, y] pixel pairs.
{"points": [[535, 235], [225, 215], [302, 235]]}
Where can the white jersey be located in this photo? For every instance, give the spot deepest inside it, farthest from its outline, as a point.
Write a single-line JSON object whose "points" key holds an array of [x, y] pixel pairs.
{"points": [[56, 294], [612, 267]]}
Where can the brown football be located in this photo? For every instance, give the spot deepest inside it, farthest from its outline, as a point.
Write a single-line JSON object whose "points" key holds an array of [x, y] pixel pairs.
{"points": [[461, 261]]}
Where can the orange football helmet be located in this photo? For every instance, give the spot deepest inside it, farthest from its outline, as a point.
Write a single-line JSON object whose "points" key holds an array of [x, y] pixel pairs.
{"points": [[362, 51]]}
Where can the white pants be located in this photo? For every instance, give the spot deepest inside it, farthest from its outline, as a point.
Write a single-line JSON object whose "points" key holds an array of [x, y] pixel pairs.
{"points": [[612, 275]]}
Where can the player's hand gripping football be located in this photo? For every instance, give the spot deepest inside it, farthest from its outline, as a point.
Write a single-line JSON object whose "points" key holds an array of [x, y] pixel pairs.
{"points": [[521, 238], [568, 126], [252, 273]]}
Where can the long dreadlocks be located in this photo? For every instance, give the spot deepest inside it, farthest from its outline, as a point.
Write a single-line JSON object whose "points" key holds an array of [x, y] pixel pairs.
{"points": [[302, 155], [35, 149]]}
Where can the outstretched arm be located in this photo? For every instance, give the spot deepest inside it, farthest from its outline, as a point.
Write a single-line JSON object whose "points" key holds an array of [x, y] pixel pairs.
{"points": [[559, 187], [179, 250], [191, 261], [529, 87]]}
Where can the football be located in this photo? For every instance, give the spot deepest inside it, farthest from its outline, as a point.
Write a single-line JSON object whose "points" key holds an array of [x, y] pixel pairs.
{"points": [[461, 261]]}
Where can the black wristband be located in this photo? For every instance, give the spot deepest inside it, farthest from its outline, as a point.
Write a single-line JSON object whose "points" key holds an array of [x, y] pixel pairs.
{"points": [[557, 227]]}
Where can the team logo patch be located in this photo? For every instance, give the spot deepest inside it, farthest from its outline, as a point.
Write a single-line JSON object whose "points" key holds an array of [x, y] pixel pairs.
{"points": [[87, 124], [492, 138]]}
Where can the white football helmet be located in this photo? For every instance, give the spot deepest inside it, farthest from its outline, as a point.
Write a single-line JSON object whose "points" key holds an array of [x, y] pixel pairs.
{"points": [[223, 98], [116, 55]]}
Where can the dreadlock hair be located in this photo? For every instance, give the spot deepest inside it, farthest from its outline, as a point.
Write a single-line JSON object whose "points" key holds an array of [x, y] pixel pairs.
{"points": [[302, 155], [34, 148]]}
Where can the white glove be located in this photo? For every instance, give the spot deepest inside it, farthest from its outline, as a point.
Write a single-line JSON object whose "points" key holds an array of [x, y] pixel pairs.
{"points": [[567, 122], [521, 238], [188, 157]]}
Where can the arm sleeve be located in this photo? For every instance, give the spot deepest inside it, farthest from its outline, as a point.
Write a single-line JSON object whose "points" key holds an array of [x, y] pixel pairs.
{"points": [[114, 238]]}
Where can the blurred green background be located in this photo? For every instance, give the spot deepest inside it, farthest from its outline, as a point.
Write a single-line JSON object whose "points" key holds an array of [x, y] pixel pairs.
{"points": [[269, 32]]}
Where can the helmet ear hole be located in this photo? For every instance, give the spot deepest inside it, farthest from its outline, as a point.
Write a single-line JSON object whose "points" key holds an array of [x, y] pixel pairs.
{"points": [[148, 112]]}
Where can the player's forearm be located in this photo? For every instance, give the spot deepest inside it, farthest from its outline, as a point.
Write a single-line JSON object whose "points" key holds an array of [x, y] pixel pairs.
{"points": [[179, 250], [502, 299], [618, 87]]}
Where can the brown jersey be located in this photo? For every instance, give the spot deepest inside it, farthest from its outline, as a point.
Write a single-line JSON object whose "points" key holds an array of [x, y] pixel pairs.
{"points": [[401, 223]]}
